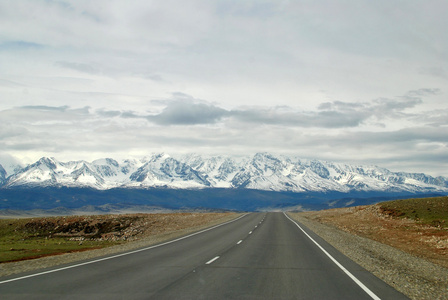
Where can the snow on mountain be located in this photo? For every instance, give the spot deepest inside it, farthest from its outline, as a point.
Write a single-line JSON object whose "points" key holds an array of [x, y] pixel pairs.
{"points": [[2, 175], [100, 174], [220, 169], [163, 170], [262, 171], [41, 172], [9, 164]]}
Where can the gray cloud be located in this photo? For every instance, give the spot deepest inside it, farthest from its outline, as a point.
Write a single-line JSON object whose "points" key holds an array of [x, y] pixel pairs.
{"points": [[435, 118], [338, 114], [379, 108], [183, 109], [185, 113], [119, 132], [45, 108], [439, 72], [339, 105], [8, 130], [390, 108], [423, 92], [37, 115], [108, 113], [19, 46], [409, 136], [9, 83], [323, 119], [81, 67], [95, 68], [130, 115], [56, 109], [190, 113]]}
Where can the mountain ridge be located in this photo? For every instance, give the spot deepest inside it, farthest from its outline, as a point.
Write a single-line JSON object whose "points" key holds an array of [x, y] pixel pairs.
{"points": [[262, 171]]}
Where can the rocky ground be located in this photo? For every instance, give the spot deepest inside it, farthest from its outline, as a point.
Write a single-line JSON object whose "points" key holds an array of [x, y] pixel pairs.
{"points": [[407, 255], [115, 228], [130, 231]]}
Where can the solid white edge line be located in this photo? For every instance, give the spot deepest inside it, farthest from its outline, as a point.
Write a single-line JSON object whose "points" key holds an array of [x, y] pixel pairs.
{"points": [[356, 280], [122, 254], [212, 260]]}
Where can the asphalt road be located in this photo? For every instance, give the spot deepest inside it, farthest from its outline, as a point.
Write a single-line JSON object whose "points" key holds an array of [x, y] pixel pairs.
{"points": [[259, 256]]}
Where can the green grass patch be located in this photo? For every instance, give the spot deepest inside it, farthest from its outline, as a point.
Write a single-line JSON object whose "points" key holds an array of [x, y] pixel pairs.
{"points": [[17, 242], [430, 211]]}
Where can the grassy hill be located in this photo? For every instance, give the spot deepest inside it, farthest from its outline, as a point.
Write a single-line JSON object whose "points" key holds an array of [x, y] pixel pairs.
{"points": [[429, 211]]}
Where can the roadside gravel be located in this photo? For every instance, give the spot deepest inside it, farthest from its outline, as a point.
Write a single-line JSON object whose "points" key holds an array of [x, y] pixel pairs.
{"points": [[413, 276], [51, 261]]}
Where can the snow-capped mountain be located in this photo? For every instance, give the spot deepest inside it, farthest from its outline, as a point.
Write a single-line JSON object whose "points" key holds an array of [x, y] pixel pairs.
{"points": [[262, 171]]}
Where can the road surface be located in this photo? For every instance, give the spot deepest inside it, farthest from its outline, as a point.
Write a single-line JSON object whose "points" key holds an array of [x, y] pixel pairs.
{"points": [[258, 256]]}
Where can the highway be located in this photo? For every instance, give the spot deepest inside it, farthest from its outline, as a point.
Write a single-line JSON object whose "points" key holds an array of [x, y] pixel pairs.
{"points": [[258, 256]]}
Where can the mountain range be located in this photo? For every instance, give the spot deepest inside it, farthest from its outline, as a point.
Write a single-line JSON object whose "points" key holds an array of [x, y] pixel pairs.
{"points": [[262, 171]]}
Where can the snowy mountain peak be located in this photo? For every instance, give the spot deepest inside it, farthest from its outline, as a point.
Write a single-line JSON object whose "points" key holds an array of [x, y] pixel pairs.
{"points": [[262, 171], [50, 163]]}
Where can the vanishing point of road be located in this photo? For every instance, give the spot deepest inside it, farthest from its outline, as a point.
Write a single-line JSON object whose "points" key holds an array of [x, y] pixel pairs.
{"points": [[257, 256]]}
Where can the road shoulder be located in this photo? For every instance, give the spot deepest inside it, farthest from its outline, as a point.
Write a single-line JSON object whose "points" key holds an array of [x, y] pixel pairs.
{"points": [[413, 276]]}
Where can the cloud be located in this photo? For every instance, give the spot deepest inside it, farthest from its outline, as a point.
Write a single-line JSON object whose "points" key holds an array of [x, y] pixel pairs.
{"points": [[380, 108], [45, 108], [54, 111], [108, 113], [439, 72], [423, 92], [81, 67], [9, 83], [35, 115], [9, 130], [391, 108], [100, 76], [19, 46], [323, 119], [435, 118], [182, 109], [338, 114], [188, 113], [183, 126], [185, 112]]}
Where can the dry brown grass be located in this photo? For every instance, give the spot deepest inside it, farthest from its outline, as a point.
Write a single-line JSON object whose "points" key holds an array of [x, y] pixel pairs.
{"points": [[429, 241]]}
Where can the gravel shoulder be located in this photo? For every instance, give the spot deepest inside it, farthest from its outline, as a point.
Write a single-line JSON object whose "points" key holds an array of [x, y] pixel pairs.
{"points": [[183, 226], [416, 277]]}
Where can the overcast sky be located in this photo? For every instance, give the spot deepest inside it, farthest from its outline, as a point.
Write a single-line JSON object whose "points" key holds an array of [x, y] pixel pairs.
{"points": [[361, 82]]}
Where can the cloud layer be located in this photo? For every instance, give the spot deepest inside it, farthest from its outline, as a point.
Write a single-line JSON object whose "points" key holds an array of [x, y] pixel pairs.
{"points": [[335, 131], [338, 80]]}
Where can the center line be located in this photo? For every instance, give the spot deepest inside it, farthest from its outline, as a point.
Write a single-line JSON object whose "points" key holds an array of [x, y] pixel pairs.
{"points": [[239, 242], [212, 260], [250, 232]]}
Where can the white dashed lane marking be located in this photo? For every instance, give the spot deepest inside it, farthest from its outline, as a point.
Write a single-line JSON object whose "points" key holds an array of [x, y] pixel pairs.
{"points": [[212, 260]]}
